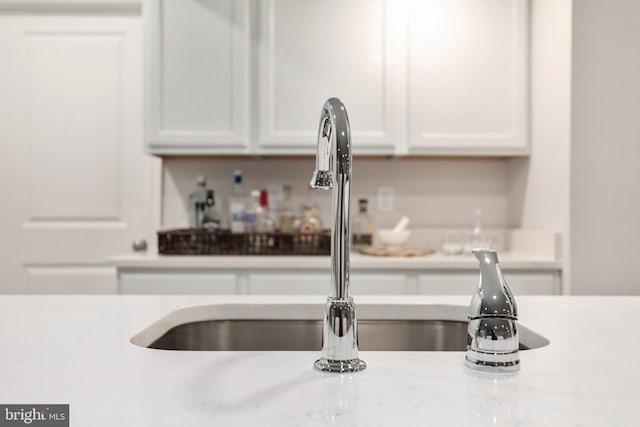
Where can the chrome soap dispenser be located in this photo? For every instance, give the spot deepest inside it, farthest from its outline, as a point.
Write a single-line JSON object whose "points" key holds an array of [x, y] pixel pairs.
{"points": [[492, 334]]}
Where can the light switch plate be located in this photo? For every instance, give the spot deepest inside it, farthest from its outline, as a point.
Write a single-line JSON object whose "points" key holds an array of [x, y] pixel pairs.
{"points": [[385, 199]]}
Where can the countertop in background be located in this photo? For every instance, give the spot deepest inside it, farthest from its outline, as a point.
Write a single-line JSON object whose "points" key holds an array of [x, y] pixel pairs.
{"points": [[508, 261]]}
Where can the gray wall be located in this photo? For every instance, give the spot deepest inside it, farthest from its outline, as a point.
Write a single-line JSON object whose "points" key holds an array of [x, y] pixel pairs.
{"points": [[432, 192], [605, 148]]}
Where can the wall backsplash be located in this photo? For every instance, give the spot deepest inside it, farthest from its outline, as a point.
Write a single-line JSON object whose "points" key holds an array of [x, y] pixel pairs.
{"points": [[434, 193]]}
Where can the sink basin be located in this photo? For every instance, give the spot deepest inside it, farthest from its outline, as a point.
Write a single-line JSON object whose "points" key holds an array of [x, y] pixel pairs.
{"points": [[282, 327], [288, 335]]}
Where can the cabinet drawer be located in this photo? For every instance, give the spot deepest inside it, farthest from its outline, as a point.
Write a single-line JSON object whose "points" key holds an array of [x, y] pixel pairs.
{"points": [[380, 284], [162, 282], [289, 284], [520, 283]]}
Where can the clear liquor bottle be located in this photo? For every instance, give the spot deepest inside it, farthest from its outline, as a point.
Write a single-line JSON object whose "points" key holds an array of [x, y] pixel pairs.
{"points": [[252, 211], [288, 215], [197, 196], [362, 231], [309, 222], [264, 218], [211, 216]]}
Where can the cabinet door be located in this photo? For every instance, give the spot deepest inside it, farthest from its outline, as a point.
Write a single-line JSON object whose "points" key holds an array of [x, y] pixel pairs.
{"points": [[312, 50], [289, 284], [520, 283], [196, 76], [467, 80], [380, 283], [176, 283]]}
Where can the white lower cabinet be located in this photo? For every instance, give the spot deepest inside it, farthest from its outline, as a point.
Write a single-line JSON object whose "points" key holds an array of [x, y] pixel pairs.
{"points": [[381, 283], [176, 282], [318, 282], [289, 284], [465, 283]]}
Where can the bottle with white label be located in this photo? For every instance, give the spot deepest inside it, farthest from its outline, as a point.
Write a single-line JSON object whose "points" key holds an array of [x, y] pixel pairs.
{"points": [[237, 204], [210, 216], [199, 196]]}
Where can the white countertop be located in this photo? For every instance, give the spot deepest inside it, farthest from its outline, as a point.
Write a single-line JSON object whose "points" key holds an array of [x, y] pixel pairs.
{"points": [[508, 261], [76, 350]]}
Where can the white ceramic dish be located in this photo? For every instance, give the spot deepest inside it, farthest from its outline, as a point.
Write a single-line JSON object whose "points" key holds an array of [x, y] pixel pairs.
{"points": [[392, 239]]}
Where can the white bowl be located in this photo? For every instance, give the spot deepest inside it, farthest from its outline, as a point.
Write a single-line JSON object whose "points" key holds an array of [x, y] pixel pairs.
{"points": [[393, 239]]}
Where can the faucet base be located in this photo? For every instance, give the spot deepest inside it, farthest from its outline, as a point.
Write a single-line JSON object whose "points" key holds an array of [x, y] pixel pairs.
{"points": [[327, 365], [493, 344], [492, 362], [340, 337]]}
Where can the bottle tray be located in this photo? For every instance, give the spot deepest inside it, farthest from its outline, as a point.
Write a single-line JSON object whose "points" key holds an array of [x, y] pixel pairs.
{"points": [[223, 242]]}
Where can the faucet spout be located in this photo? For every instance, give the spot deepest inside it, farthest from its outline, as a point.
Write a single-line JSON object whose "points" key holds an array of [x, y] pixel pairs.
{"points": [[333, 170]]}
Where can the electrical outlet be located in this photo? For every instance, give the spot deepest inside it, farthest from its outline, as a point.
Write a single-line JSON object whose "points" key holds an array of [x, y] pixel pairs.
{"points": [[385, 199]]}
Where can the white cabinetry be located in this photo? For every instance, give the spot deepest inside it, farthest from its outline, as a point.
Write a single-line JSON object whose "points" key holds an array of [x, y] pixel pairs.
{"points": [[318, 282], [196, 76], [467, 77], [458, 283], [288, 284], [313, 50], [418, 77], [381, 283], [192, 282]]}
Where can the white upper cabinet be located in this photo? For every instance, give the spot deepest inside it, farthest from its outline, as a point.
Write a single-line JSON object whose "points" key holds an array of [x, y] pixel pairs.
{"points": [[467, 77], [196, 76], [310, 51], [418, 77]]}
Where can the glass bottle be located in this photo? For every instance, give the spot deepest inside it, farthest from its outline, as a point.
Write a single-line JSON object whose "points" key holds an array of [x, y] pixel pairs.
{"points": [[287, 213], [210, 216], [265, 220], [311, 204], [362, 232], [252, 211], [237, 204], [197, 196], [200, 206], [309, 222], [478, 237]]}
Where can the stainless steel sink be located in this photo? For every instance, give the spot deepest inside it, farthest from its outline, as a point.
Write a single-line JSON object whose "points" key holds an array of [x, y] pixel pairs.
{"points": [[288, 335], [380, 328]]}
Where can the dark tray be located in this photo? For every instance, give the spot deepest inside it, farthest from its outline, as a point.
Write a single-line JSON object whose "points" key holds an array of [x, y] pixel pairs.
{"points": [[224, 242]]}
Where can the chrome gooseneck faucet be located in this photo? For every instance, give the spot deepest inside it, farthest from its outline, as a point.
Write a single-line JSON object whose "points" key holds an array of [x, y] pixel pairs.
{"points": [[340, 328]]}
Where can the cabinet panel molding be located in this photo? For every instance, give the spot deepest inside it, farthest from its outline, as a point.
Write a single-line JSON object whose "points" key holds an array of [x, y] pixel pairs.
{"points": [[311, 51], [197, 76], [467, 77]]}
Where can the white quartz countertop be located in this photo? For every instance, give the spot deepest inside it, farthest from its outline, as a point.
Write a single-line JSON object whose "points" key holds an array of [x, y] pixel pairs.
{"points": [[76, 350], [508, 261]]}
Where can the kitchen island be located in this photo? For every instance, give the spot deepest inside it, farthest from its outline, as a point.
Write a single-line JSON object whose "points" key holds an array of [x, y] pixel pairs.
{"points": [[76, 350]]}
